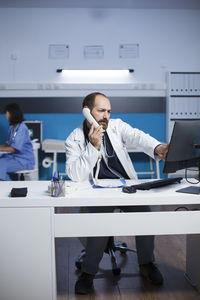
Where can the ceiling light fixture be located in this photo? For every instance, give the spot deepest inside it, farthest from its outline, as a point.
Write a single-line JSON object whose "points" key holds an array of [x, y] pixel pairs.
{"points": [[100, 71]]}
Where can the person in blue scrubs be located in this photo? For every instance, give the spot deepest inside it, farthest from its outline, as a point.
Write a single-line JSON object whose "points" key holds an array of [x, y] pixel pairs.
{"points": [[17, 153]]}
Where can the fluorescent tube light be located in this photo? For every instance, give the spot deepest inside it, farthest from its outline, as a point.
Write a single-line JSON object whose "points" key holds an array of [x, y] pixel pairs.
{"points": [[100, 72]]}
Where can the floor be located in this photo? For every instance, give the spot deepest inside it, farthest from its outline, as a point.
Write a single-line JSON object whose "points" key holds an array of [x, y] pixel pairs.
{"points": [[170, 257]]}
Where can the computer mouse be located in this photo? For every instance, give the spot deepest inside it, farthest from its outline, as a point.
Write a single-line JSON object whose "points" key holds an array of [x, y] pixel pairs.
{"points": [[129, 189]]}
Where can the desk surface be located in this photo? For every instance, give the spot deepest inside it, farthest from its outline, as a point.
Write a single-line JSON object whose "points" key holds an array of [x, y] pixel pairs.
{"points": [[82, 194], [32, 221]]}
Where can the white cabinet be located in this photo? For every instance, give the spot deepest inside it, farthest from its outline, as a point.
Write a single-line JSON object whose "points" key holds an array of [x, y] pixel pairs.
{"points": [[183, 102], [27, 253], [183, 98]]}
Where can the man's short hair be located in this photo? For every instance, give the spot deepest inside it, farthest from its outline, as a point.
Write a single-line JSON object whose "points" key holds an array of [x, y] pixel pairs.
{"points": [[16, 115], [89, 100]]}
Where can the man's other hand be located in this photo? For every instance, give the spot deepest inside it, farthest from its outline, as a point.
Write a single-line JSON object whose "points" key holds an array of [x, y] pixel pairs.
{"points": [[162, 150]]}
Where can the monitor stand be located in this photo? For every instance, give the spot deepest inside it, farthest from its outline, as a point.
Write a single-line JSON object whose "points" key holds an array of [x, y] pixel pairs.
{"points": [[190, 190]]}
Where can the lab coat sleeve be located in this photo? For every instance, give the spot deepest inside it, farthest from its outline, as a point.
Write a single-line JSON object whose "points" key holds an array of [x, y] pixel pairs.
{"points": [[135, 138], [80, 158]]}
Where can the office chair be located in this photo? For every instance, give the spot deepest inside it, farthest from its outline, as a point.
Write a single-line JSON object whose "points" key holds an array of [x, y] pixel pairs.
{"points": [[30, 174], [110, 249]]}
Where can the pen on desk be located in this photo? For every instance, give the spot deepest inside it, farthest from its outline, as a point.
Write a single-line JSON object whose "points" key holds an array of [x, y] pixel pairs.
{"points": [[54, 176]]}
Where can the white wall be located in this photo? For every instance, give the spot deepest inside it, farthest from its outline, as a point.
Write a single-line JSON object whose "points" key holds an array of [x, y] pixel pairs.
{"points": [[168, 39]]}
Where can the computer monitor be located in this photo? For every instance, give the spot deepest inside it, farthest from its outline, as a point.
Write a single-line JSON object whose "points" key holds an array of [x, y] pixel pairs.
{"points": [[184, 150], [35, 130]]}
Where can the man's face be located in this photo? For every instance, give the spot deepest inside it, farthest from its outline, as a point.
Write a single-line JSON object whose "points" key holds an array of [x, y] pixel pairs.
{"points": [[101, 111]]}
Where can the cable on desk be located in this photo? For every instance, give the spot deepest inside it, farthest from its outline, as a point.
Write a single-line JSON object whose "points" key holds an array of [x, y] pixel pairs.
{"points": [[186, 176], [181, 208]]}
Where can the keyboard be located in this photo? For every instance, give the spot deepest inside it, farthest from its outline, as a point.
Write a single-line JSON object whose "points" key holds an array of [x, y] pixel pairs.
{"points": [[152, 184], [157, 183]]}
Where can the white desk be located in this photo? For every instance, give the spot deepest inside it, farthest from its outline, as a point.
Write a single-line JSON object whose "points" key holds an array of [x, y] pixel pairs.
{"points": [[54, 147], [28, 227]]}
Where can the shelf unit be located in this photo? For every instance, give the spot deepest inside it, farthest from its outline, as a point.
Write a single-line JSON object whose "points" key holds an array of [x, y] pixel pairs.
{"points": [[183, 98], [183, 103]]}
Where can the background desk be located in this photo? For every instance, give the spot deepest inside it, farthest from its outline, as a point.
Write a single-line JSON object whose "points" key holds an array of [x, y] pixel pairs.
{"points": [[58, 146], [28, 227]]}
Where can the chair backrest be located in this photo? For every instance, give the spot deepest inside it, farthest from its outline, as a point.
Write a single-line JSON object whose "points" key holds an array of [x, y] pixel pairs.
{"points": [[36, 147], [34, 173]]}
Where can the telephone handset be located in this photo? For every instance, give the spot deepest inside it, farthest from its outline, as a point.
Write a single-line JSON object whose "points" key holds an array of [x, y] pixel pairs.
{"points": [[89, 117]]}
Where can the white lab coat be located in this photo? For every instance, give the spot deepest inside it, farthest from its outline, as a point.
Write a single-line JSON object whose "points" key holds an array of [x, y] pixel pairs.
{"points": [[81, 158]]}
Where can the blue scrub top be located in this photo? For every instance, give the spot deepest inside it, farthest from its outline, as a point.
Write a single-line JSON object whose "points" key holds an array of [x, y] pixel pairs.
{"points": [[19, 139]]}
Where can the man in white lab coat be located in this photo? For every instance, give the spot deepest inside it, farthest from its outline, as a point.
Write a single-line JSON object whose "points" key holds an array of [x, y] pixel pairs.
{"points": [[83, 148]]}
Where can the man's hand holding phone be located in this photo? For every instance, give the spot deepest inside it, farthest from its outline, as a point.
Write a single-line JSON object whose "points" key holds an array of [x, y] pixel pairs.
{"points": [[95, 136]]}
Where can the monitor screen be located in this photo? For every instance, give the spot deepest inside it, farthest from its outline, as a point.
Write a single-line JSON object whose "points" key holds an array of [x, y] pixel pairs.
{"points": [[184, 147], [35, 130]]}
